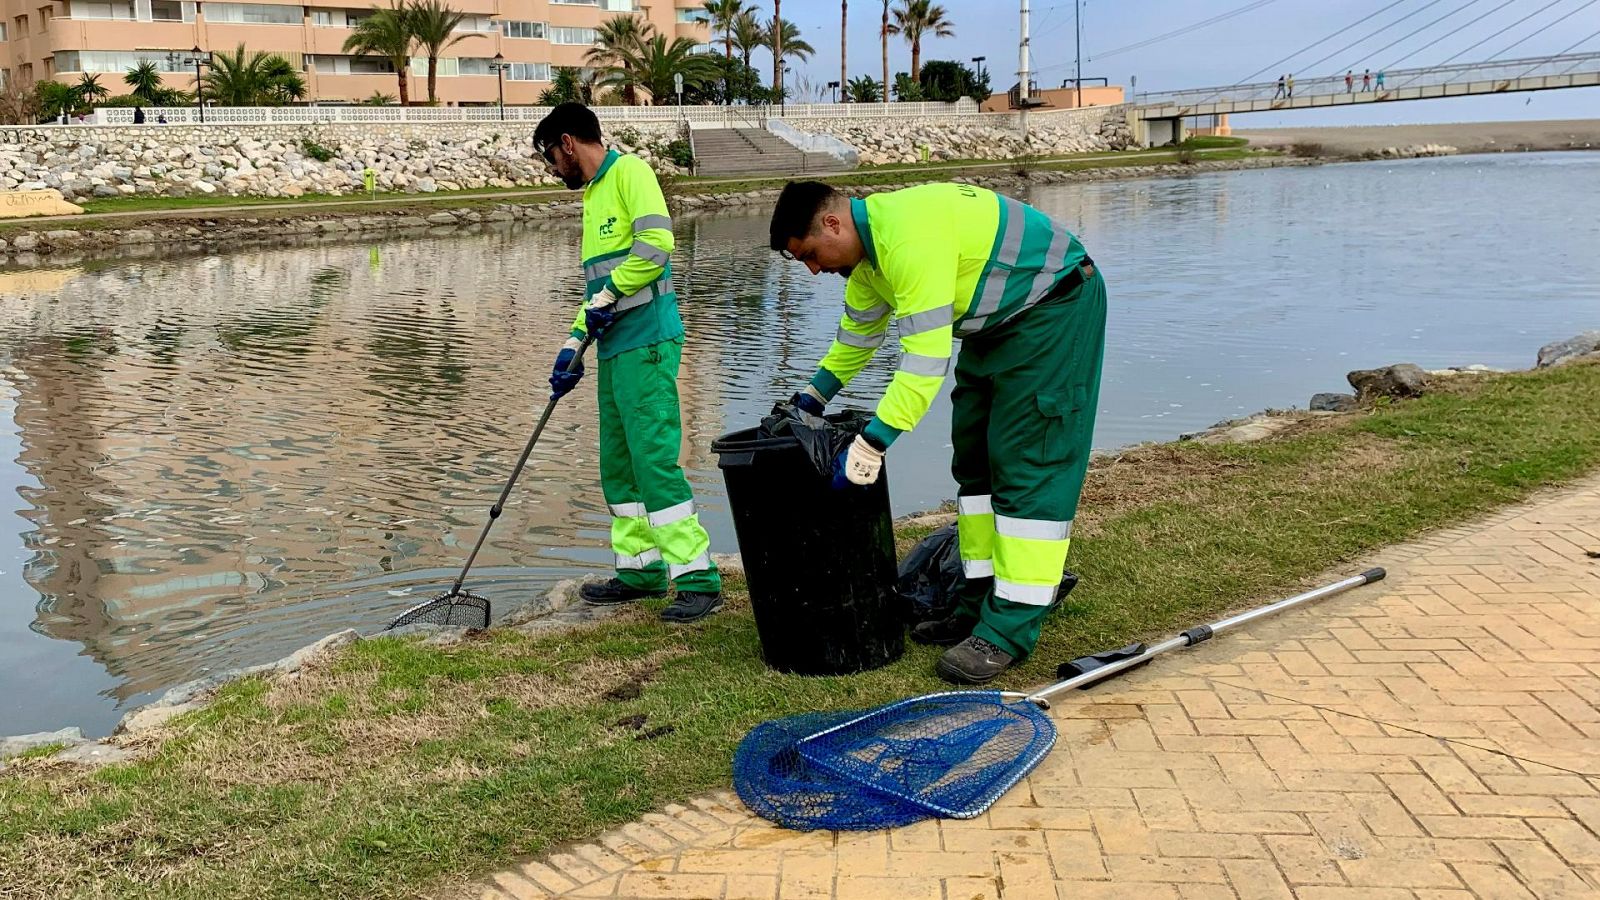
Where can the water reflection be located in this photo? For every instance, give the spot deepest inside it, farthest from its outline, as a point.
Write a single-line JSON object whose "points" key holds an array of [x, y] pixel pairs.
{"points": [[218, 458]]}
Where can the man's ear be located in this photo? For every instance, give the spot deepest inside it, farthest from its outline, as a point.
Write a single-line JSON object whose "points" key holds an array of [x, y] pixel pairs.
{"points": [[832, 222]]}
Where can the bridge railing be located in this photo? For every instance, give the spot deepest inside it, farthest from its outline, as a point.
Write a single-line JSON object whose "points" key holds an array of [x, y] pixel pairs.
{"points": [[718, 116], [1393, 79]]}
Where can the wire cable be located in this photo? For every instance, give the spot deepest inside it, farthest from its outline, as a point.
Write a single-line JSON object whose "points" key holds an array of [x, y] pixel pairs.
{"points": [[1508, 47], [1369, 36], [1447, 34], [1270, 66], [1177, 32], [1482, 41]]}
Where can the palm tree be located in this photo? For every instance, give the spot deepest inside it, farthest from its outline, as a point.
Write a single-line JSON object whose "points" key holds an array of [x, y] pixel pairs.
{"points": [[89, 89], [844, 22], [784, 42], [777, 50], [378, 98], [883, 38], [433, 24], [386, 33], [748, 34], [619, 44], [862, 90], [145, 79], [723, 14], [913, 19], [254, 79], [654, 62]]}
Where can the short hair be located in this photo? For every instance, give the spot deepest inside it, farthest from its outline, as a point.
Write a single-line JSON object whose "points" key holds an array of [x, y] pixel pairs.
{"points": [[796, 214], [567, 118]]}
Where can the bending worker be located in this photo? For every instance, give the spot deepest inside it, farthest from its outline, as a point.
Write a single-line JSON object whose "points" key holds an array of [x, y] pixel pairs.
{"points": [[631, 311], [948, 261]]}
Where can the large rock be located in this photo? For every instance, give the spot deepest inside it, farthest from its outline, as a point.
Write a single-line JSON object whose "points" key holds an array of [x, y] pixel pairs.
{"points": [[1330, 402], [1401, 380], [22, 743], [1561, 352]]}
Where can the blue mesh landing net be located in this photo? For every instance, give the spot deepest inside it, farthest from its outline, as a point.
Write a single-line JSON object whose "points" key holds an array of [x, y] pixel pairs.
{"points": [[951, 755]]}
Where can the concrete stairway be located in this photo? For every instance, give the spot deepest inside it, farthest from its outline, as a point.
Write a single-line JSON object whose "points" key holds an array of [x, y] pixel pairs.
{"points": [[750, 151]]}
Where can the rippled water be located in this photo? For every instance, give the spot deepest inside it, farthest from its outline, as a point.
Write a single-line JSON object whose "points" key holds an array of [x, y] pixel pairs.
{"points": [[218, 459]]}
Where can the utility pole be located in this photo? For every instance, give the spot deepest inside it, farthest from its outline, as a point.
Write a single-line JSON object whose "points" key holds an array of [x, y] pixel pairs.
{"points": [[1077, 7], [1022, 74]]}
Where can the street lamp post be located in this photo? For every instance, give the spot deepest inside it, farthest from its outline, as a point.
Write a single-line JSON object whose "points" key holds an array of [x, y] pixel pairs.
{"points": [[834, 86], [499, 65], [198, 58], [977, 62]]}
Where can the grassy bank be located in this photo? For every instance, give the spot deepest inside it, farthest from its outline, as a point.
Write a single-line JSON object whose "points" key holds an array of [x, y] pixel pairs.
{"points": [[400, 768], [130, 212]]}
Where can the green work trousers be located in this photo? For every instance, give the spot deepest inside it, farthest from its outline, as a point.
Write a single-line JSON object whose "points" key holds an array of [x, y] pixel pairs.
{"points": [[1024, 404], [655, 534]]}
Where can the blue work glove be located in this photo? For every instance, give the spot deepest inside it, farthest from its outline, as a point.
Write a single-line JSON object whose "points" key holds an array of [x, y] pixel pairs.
{"points": [[809, 401], [600, 313], [562, 381], [857, 465]]}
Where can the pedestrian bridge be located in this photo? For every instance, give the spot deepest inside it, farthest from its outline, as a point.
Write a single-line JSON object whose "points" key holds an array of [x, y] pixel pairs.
{"points": [[1158, 118]]}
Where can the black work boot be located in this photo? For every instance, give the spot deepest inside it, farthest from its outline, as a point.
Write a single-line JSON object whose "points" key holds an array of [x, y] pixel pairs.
{"points": [[973, 661], [691, 606], [945, 632], [612, 592]]}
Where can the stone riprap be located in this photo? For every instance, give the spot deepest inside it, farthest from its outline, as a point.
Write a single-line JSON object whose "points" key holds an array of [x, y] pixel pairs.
{"points": [[280, 160], [896, 140]]}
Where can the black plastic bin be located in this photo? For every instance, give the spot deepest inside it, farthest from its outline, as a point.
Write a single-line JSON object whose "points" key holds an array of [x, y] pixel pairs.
{"points": [[820, 563]]}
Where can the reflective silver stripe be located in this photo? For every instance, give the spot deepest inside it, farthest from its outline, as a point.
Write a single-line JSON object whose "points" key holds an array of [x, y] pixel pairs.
{"points": [[698, 564], [971, 326], [864, 341], [977, 568], [602, 268], [1055, 257], [871, 314], [917, 364], [644, 559], [671, 514], [1034, 529], [975, 505], [645, 294], [929, 320], [994, 285], [644, 222], [649, 253], [1028, 594], [627, 510]]}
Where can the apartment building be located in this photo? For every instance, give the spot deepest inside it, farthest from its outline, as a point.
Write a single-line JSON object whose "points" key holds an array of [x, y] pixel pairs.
{"points": [[64, 38]]}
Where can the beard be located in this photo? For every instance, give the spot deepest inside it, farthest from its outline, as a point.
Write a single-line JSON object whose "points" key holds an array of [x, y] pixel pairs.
{"points": [[573, 182]]}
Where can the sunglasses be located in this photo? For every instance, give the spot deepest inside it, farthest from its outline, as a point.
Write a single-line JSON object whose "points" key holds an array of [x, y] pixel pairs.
{"points": [[548, 151]]}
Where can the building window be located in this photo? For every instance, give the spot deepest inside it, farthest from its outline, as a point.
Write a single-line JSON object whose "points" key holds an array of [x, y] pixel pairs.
{"points": [[531, 30], [620, 5], [22, 28], [3, 34], [354, 65], [474, 66], [576, 2], [166, 11], [25, 72], [528, 72], [44, 17], [119, 61], [91, 10], [254, 14], [447, 67], [577, 36], [685, 16], [323, 17], [473, 24]]}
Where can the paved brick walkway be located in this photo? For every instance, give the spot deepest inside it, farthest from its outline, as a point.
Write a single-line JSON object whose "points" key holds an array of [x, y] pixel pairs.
{"points": [[1435, 736]]}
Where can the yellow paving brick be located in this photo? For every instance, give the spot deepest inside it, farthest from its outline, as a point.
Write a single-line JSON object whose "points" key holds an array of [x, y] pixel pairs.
{"points": [[544, 876], [605, 887], [1492, 881], [519, 887], [751, 887], [1541, 869], [853, 888], [1570, 839], [1025, 874], [1256, 879], [944, 864], [923, 836], [1540, 785], [1353, 893], [728, 860], [1076, 855], [981, 839], [1305, 860], [1209, 846], [1441, 849], [649, 885], [574, 868], [1206, 892], [1164, 809], [971, 889], [1040, 818], [1123, 832], [1476, 827], [1398, 873], [1146, 868], [1101, 890], [1252, 822], [1419, 795], [863, 853]]}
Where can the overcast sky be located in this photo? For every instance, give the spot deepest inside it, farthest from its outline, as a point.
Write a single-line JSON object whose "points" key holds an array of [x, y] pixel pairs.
{"points": [[1228, 51]]}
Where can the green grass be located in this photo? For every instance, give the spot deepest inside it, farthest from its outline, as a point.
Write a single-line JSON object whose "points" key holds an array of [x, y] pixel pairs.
{"points": [[40, 752], [403, 768], [212, 201]]}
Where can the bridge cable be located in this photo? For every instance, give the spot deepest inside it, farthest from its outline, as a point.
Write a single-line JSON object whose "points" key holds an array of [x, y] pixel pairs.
{"points": [[1370, 35], [1464, 51], [1451, 33], [1271, 66], [1176, 32], [1574, 46], [1508, 47], [1413, 33]]}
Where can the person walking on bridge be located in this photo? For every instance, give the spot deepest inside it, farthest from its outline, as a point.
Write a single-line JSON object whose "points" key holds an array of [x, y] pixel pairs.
{"points": [[1350, 81], [1366, 81], [1380, 79], [1291, 86], [1280, 89], [631, 312], [948, 261]]}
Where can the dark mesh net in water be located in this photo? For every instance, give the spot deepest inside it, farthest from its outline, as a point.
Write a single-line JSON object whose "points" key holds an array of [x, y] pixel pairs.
{"points": [[459, 609], [778, 784], [951, 755]]}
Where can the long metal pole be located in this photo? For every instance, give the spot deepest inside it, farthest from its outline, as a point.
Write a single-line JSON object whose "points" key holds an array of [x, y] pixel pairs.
{"points": [[1022, 74], [500, 82], [1201, 633], [1077, 7], [199, 91], [499, 505]]}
